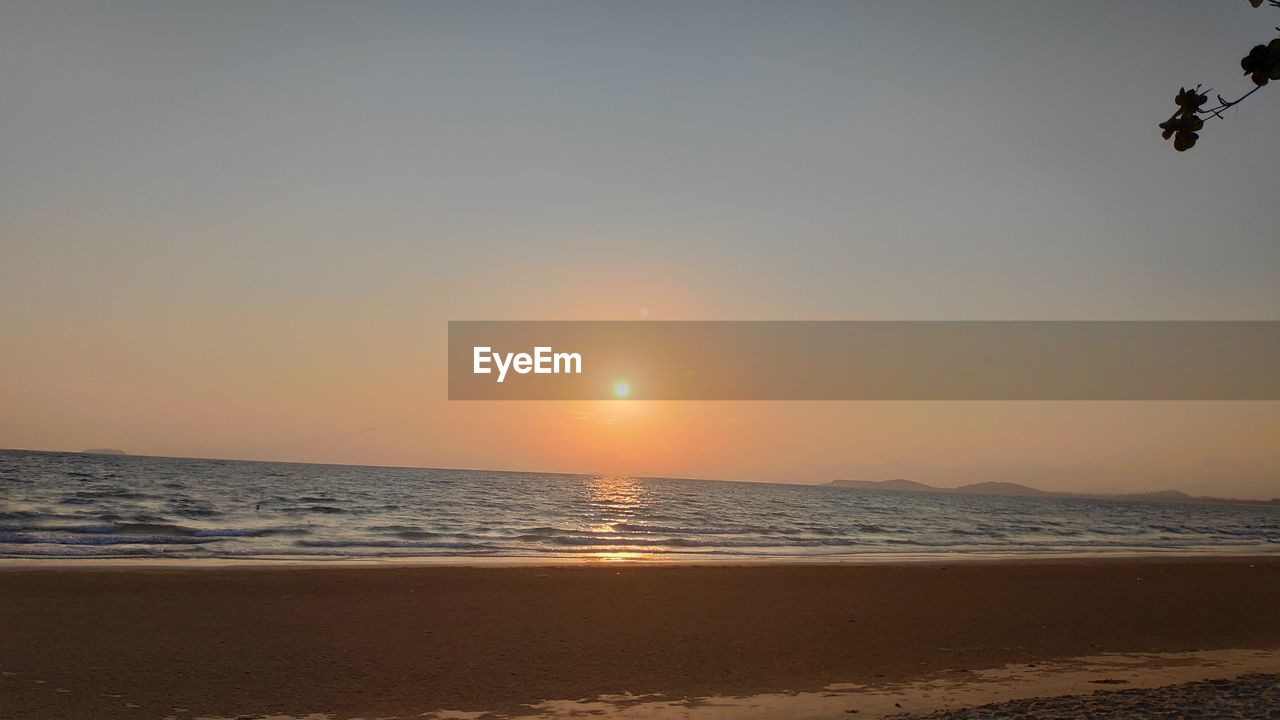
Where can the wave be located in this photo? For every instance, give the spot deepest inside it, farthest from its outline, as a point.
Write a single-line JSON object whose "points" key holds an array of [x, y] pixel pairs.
{"points": [[326, 509], [359, 543], [139, 532], [56, 505], [73, 539]]}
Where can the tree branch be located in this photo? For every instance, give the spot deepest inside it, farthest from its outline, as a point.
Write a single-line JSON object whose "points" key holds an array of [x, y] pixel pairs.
{"points": [[1224, 104]]}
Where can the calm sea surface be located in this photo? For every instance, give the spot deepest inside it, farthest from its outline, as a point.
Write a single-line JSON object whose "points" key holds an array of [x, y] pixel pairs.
{"points": [[66, 505]]}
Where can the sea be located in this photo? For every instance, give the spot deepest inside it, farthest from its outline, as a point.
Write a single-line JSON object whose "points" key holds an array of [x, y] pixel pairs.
{"points": [[71, 505]]}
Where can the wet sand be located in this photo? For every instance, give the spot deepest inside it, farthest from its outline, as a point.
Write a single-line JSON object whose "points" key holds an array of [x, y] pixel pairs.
{"points": [[1251, 697], [401, 641]]}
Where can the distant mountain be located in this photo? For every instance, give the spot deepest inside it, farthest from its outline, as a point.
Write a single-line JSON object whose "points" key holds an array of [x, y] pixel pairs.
{"points": [[1165, 496], [1007, 489], [1000, 488], [103, 451], [895, 485]]}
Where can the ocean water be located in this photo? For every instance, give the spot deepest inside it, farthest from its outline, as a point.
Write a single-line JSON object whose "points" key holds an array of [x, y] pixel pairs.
{"points": [[67, 505]]}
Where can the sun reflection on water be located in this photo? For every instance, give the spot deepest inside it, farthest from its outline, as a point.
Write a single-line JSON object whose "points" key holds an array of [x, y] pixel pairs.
{"points": [[621, 556], [615, 492], [614, 501]]}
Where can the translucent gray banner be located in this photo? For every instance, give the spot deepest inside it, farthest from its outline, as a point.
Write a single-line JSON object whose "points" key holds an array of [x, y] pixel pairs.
{"points": [[856, 360]]}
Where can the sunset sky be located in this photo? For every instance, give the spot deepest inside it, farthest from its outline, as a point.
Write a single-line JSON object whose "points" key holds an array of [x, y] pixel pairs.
{"points": [[238, 229]]}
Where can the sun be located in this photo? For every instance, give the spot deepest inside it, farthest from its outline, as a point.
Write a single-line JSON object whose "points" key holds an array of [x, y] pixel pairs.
{"points": [[621, 389]]}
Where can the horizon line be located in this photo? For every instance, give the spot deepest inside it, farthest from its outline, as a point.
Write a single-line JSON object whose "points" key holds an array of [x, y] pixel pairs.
{"points": [[639, 476]]}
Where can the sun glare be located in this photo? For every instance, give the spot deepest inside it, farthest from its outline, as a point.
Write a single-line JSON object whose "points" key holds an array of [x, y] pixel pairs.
{"points": [[621, 389]]}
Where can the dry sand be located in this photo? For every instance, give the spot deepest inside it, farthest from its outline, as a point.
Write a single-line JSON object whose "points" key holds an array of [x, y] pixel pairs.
{"points": [[390, 641]]}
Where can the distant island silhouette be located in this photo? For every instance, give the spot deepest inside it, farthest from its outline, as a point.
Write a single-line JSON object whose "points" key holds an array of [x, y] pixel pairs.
{"points": [[1008, 489], [103, 451]]}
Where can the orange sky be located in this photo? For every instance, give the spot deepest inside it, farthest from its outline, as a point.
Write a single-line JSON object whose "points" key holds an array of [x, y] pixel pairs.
{"points": [[231, 230], [364, 382]]}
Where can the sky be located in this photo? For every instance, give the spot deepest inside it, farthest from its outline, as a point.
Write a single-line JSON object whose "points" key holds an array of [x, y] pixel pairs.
{"points": [[238, 229]]}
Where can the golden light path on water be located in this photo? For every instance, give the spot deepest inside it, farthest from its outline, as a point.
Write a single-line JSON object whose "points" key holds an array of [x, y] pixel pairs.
{"points": [[615, 499]]}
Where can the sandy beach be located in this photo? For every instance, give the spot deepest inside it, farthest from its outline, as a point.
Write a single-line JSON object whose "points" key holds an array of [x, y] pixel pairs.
{"points": [[146, 641]]}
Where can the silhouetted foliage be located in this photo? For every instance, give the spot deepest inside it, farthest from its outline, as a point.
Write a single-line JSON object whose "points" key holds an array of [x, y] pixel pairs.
{"points": [[1262, 65]]}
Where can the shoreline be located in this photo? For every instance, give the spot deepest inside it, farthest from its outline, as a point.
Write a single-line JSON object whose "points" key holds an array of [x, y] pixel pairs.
{"points": [[921, 559], [402, 640]]}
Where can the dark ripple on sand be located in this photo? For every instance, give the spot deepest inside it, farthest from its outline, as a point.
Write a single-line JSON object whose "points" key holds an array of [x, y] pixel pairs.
{"points": [[1251, 697]]}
